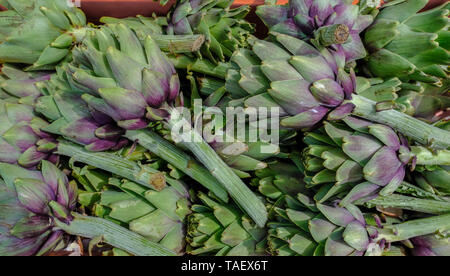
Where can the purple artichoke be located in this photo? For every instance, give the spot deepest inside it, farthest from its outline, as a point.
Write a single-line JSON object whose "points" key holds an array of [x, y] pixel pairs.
{"points": [[355, 156], [31, 200], [72, 118], [22, 140], [335, 23], [37, 212], [123, 79], [431, 245], [290, 74], [16, 84]]}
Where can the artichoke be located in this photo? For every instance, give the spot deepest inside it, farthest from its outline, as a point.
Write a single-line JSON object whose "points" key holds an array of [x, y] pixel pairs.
{"points": [[427, 101], [33, 201], [299, 226], [224, 28], [158, 215], [70, 116], [22, 140], [131, 84], [306, 84], [330, 23], [39, 212], [389, 41], [19, 85], [217, 228], [40, 33], [354, 154], [134, 83], [431, 245], [368, 158]]}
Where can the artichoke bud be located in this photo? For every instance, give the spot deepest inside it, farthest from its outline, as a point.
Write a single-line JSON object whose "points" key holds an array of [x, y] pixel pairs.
{"points": [[322, 22], [353, 155], [37, 198]]}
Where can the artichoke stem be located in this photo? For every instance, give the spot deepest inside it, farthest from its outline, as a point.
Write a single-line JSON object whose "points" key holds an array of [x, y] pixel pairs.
{"points": [[173, 155], [427, 206], [333, 34], [425, 156], [113, 234], [79, 34], [417, 130], [176, 44], [414, 228], [112, 163], [237, 189]]}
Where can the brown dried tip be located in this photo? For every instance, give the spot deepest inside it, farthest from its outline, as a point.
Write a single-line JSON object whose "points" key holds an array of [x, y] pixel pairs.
{"points": [[158, 181], [341, 33]]}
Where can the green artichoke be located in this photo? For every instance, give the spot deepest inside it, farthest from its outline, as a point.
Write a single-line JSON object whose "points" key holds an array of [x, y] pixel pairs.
{"points": [[410, 45], [157, 214], [217, 228], [40, 33], [225, 29], [427, 101]]}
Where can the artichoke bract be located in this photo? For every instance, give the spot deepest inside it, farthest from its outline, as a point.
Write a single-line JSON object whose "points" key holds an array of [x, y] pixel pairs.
{"points": [[41, 33], [33, 201], [220, 229], [19, 85], [331, 23], [410, 45], [225, 29], [158, 215], [22, 140]]}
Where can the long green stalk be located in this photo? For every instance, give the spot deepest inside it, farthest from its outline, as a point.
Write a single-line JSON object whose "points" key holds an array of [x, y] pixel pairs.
{"points": [[112, 163], [113, 234], [179, 43], [417, 130], [181, 160], [425, 156], [415, 228], [427, 206], [237, 189]]}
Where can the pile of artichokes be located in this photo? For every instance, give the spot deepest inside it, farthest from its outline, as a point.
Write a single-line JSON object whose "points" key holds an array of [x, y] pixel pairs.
{"points": [[92, 161]]}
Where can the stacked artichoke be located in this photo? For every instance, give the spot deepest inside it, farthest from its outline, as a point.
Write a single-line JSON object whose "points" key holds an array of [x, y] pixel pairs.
{"points": [[40, 33], [91, 146]]}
